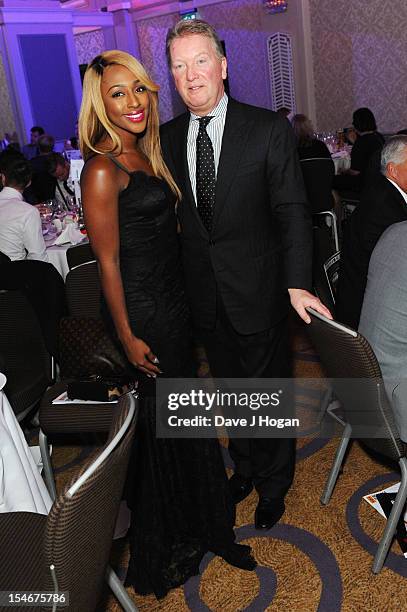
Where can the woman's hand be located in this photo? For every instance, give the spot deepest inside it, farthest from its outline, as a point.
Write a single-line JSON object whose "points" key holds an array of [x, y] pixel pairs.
{"points": [[141, 356]]}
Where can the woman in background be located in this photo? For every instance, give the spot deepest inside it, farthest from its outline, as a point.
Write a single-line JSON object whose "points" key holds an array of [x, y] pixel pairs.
{"points": [[178, 489], [308, 146], [365, 154]]}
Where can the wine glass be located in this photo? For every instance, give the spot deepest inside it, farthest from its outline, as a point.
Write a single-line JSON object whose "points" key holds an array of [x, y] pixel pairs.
{"points": [[46, 212], [59, 209]]}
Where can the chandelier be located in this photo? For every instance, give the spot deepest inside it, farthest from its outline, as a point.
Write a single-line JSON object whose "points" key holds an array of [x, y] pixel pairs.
{"points": [[275, 6]]}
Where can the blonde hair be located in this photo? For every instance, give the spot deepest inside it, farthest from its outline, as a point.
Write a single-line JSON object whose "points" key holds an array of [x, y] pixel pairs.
{"points": [[94, 123]]}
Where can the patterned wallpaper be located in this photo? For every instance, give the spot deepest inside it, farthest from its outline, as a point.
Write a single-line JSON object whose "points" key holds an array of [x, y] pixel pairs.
{"points": [[359, 53], [151, 34], [7, 123], [88, 45], [239, 24]]}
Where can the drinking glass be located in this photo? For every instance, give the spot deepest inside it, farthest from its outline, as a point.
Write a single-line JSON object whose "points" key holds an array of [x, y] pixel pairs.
{"points": [[59, 209]]}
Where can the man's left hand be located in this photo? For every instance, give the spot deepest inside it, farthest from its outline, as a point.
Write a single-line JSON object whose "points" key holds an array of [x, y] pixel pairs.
{"points": [[301, 299]]}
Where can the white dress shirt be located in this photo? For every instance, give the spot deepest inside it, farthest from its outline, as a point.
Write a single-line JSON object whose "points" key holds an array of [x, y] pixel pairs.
{"points": [[403, 193], [61, 193], [214, 130], [20, 228]]}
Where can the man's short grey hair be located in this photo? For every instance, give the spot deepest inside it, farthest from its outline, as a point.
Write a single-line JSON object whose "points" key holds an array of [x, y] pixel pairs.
{"points": [[187, 27], [395, 151]]}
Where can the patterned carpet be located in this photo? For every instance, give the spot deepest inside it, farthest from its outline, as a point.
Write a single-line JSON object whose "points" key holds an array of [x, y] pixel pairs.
{"points": [[315, 559]]}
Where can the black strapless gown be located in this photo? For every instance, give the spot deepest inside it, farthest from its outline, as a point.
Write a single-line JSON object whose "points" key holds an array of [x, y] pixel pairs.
{"points": [[177, 489]]}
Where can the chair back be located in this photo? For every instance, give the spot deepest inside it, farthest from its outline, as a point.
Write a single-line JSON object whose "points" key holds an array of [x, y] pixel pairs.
{"points": [[26, 361], [318, 174], [325, 268], [345, 355], [83, 290], [80, 525], [4, 259], [79, 254]]}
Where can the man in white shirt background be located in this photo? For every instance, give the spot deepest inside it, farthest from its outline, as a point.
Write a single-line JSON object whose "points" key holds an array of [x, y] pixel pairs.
{"points": [[21, 240], [20, 223], [59, 168]]}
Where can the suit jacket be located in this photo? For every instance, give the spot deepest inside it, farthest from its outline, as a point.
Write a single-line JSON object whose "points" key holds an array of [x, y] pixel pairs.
{"points": [[383, 319], [261, 241], [43, 185], [380, 206]]}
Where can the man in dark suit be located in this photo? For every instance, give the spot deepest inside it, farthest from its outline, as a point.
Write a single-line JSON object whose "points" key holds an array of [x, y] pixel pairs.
{"points": [[383, 203], [31, 150], [246, 239], [42, 185]]}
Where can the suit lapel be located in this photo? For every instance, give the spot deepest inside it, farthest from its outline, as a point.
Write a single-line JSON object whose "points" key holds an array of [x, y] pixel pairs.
{"points": [[234, 140]]}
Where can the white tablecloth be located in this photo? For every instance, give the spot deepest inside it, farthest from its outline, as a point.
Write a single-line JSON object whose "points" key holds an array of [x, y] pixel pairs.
{"points": [[57, 256], [21, 486], [341, 161]]}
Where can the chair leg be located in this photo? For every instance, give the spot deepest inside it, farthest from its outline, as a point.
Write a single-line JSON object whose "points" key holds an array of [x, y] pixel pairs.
{"points": [[119, 591], [47, 465], [333, 474], [392, 521]]}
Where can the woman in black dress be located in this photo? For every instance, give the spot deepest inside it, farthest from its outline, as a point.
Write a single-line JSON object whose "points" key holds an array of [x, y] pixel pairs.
{"points": [[178, 489]]}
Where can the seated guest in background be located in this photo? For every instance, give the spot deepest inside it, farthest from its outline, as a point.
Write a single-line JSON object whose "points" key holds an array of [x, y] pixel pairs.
{"points": [[10, 141], [383, 204], [73, 141], [42, 184], [368, 141], [31, 150], [59, 168], [20, 224], [318, 174], [307, 145], [383, 320]]}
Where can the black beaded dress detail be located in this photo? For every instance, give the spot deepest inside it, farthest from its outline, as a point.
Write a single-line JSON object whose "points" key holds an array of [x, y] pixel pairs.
{"points": [[176, 488]]}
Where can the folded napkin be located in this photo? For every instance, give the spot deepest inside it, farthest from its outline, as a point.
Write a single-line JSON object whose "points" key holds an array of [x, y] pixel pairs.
{"points": [[70, 234]]}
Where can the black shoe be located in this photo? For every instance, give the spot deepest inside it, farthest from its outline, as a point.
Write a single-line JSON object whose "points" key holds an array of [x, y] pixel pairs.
{"points": [[268, 512], [239, 488], [238, 555]]}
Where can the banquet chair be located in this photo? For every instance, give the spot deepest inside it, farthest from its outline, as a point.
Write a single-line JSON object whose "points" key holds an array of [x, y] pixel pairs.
{"points": [[27, 364], [86, 347], [4, 259], [68, 550], [82, 286], [325, 268], [318, 174], [79, 254], [347, 358]]}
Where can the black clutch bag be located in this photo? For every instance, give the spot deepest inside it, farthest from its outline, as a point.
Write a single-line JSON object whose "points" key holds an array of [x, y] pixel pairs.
{"points": [[100, 390]]}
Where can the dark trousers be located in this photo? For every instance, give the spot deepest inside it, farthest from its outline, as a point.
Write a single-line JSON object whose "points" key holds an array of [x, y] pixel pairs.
{"points": [[268, 462]]}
